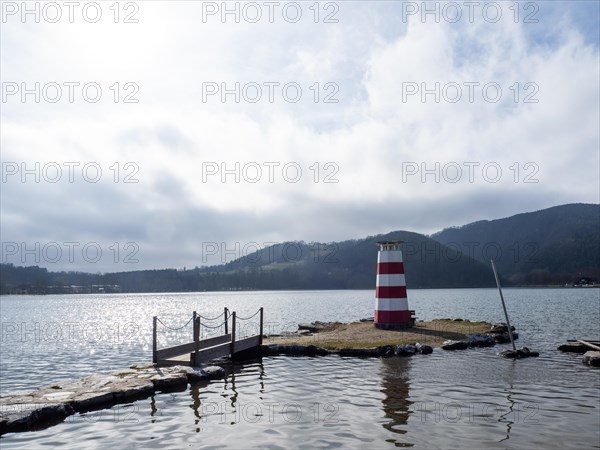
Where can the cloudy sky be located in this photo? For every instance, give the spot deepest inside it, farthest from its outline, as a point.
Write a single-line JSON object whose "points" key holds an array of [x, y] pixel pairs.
{"points": [[147, 134]]}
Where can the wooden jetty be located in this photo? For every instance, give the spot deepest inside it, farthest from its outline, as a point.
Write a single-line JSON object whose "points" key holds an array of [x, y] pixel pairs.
{"points": [[193, 353]]}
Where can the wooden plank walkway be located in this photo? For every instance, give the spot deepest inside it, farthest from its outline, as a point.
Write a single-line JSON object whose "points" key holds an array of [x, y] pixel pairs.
{"points": [[199, 351]]}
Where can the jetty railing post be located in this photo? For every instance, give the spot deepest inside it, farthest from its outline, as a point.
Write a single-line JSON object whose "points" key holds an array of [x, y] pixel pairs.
{"points": [[232, 333], [196, 322], [225, 312], [260, 339], [510, 335], [154, 358]]}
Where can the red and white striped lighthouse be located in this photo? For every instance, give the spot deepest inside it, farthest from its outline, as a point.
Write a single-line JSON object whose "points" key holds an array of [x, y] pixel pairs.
{"points": [[391, 302]]}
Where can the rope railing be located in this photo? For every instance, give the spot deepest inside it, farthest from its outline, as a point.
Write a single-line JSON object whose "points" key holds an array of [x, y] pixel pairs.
{"points": [[248, 318], [202, 324], [172, 328], [212, 318]]}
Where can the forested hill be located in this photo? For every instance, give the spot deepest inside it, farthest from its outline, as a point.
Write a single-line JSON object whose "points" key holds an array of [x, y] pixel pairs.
{"points": [[352, 264], [292, 265], [552, 246]]}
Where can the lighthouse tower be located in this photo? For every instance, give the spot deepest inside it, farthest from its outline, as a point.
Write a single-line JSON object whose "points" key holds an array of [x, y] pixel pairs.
{"points": [[391, 303]]}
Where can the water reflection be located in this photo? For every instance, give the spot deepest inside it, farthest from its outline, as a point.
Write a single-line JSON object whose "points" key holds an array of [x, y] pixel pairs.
{"points": [[230, 386], [249, 375], [195, 394], [395, 385], [153, 408], [512, 404], [332, 402]]}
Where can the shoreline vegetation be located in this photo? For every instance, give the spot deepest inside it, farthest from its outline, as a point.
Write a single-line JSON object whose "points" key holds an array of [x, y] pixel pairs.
{"points": [[85, 291]]}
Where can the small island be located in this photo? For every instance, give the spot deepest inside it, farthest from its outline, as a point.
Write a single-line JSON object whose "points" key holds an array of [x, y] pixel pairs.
{"points": [[336, 336]]}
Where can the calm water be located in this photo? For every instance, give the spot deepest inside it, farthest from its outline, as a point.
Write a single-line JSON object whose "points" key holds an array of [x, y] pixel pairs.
{"points": [[470, 399]]}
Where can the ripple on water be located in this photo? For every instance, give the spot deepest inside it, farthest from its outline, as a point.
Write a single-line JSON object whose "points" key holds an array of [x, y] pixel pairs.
{"points": [[470, 399], [355, 404]]}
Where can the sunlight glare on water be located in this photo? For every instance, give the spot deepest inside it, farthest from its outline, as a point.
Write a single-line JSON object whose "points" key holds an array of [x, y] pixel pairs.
{"points": [[469, 399]]}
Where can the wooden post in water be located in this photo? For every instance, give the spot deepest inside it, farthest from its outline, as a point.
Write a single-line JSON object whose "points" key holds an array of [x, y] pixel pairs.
{"points": [[232, 333], [512, 341], [154, 358], [226, 312], [260, 339]]}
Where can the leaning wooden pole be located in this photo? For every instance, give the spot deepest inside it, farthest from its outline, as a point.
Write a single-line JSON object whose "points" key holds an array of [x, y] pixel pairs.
{"points": [[154, 358], [510, 335], [589, 344], [226, 312]]}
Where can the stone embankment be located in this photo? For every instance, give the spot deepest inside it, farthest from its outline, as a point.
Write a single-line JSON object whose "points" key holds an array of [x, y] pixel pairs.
{"points": [[498, 334], [50, 405], [312, 350]]}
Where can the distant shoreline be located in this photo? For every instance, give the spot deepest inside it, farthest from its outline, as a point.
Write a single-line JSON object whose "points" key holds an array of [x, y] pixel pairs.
{"points": [[549, 286]]}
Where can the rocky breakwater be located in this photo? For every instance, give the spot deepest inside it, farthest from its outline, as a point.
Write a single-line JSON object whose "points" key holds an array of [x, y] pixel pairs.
{"points": [[497, 334], [50, 405], [381, 351], [388, 350]]}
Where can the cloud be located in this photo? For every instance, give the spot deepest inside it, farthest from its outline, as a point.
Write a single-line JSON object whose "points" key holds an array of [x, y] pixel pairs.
{"points": [[359, 153]]}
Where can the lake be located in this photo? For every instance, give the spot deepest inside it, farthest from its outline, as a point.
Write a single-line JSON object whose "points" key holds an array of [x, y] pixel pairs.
{"points": [[468, 399]]}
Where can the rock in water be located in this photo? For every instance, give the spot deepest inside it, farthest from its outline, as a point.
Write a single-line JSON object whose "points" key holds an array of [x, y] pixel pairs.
{"points": [[424, 349], [213, 372], [271, 349], [518, 354], [499, 328], [406, 350], [360, 352], [481, 340], [313, 350], [574, 348], [386, 350], [455, 345], [527, 353], [295, 350], [514, 354], [500, 332], [592, 358], [503, 338]]}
